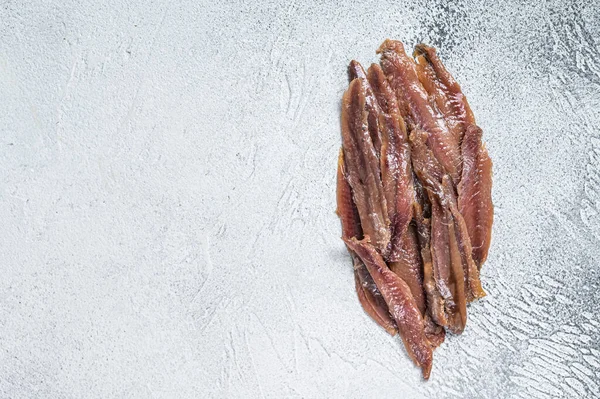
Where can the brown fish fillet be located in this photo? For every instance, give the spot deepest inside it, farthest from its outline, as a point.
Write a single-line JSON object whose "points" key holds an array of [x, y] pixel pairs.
{"points": [[369, 296], [475, 193], [455, 275], [427, 168], [430, 174], [363, 172], [416, 108], [443, 259], [424, 161], [356, 71], [404, 258], [381, 128], [415, 268], [473, 289], [444, 90], [401, 304], [396, 169], [435, 302], [408, 266]]}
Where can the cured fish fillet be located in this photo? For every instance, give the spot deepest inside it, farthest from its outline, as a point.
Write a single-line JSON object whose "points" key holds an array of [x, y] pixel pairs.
{"points": [[443, 90], [356, 71], [362, 167], [346, 210], [404, 258], [473, 289], [395, 161], [455, 273], [369, 296], [401, 304], [408, 266], [475, 193], [411, 267], [444, 268], [416, 108], [435, 301], [387, 128]]}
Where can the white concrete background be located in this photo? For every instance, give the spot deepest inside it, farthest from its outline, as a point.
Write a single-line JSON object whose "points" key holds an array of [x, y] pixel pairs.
{"points": [[167, 177]]}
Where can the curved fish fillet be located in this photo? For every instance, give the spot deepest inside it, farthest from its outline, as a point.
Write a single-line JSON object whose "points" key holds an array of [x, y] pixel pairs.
{"points": [[444, 267], [370, 298], [401, 304], [346, 210]]}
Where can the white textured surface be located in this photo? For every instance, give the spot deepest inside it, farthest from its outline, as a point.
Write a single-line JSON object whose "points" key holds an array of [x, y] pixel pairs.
{"points": [[167, 195]]}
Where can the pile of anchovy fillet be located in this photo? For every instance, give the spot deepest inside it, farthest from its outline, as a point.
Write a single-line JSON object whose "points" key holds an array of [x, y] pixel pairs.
{"points": [[414, 197]]}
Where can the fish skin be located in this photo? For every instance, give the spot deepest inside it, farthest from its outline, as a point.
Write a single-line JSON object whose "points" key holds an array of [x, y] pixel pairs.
{"points": [[401, 304]]}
